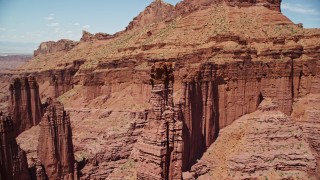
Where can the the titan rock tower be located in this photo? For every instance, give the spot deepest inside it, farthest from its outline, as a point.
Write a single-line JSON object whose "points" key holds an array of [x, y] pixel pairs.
{"points": [[160, 152], [55, 149]]}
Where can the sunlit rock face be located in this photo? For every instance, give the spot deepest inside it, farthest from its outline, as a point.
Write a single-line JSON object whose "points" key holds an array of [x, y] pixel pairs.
{"points": [[55, 148]]}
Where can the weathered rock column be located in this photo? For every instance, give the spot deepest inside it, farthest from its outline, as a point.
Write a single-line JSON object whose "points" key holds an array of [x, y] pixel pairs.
{"points": [[13, 160], [160, 151], [25, 105], [55, 149]]}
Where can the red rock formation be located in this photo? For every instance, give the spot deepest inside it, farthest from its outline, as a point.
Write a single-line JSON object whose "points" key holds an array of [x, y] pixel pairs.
{"points": [[40, 172], [242, 55], [55, 148], [306, 113], [161, 147], [191, 5], [61, 81], [13, 160], [273, 141], [55, 82], [157, 11], [52, 47], [219, 94], [25, 104], [264, 144], [87, 36]]}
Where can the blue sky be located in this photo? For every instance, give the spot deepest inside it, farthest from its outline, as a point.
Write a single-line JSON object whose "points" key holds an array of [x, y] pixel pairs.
{"points": [[43, 20]]}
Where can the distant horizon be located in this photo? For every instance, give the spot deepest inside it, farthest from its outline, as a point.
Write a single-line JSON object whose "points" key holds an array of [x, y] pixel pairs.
{"points": [[22, 30], [17, 48]]}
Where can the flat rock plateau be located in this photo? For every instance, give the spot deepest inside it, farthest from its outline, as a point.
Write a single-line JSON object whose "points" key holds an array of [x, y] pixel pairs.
{"points": [[206, 89]]}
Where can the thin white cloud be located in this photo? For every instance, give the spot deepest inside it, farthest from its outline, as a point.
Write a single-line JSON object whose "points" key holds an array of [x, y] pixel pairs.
{"points": [[69, 32], [86, 27], [33, 34], [56, 30], [49, 18], [53, 24], [76, 24], [2, 29], [299, 8]]}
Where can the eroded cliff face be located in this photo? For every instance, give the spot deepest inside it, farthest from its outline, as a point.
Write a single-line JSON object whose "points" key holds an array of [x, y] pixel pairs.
{"points": [[61, 81], [160, 150], [55, 148], [263, 144], [157, 11], [52, 47], [306, 114], [13, 160], [220, 94], [227, 57], [271, 4], [87, 36], [25, 105]]}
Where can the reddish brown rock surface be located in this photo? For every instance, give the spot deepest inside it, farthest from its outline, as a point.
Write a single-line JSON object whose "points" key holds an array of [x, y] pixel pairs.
{"points": [[25, 105], [13, 160], [306, 113], [55, 148], [52, 47], [160, 150], [264, 144], [227, 57], [156, 12], [190, 5], [87, 36]]}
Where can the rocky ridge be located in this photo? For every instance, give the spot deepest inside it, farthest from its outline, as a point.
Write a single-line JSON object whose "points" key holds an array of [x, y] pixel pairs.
{"points": [[52, 47], [156, 12], [87, 36]]}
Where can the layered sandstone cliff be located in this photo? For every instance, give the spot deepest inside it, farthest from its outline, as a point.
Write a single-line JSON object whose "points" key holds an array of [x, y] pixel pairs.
{"points": [[156, 12], [55, 148], [52, 47], [306, 113], [87, 36], [191, 5], [13, 160], [160, 11], [227, 57], [264, 144], [220, 94], [160, 150], [25, 105]]}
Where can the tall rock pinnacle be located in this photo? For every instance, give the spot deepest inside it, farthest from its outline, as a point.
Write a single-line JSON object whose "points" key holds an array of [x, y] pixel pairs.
{"points": [[161, 147], [55, 149], [25, 104]]}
